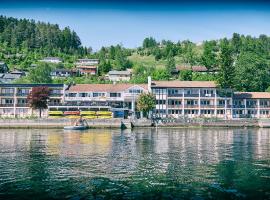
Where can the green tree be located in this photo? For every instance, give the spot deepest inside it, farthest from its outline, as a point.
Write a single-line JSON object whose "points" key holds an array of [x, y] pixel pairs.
{"points": [[41, 74], [226, 68], [149, 42], [209, 59], [188, 53], [160, 74], [185, 75], [146, 102], [170, 66], [252, 72], [236, 43]]}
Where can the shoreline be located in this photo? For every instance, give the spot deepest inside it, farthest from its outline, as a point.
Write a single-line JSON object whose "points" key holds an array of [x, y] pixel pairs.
{"points": [[129, 124]]}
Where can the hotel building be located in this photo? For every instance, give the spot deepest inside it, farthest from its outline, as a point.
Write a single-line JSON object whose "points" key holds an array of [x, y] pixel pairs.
{"points": [[191, 99], [173, 99], [118, 98], [13, 98]]}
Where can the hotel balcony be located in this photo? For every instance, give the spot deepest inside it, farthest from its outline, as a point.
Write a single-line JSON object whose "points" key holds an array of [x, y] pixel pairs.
{"points": [[191, 95], [207, 95], [7, 105], [7, 94], [22, 105], [207, 106], [264, 106], [191, 106], [56, 95], [175, 95], [175, 106], [22, 94], [252, 106]]}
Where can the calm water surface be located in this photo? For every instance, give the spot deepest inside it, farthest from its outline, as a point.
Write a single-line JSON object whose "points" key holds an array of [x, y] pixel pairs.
{"points": [[140, 164]]}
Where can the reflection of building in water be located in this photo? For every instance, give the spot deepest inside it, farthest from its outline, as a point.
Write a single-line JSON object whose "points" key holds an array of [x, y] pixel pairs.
{"points": [[123, 152], [251, 143], [79, 144], [263, 144], [13, 139]]}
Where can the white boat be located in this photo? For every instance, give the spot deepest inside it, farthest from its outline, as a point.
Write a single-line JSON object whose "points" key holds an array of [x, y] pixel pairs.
{"points": [[79, 127]]}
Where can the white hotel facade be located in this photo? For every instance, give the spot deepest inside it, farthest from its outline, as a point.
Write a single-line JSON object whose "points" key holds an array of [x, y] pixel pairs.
{"points": [[173, 99]]}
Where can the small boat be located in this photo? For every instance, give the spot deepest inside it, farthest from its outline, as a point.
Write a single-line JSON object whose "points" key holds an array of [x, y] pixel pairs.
{"points": [[79, 127]]}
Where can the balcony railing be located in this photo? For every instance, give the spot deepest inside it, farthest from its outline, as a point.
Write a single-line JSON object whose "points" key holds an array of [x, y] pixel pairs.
{"points": [[7, 105], [175, 95], [191, 106], [264, 106], [238, 106], [207, 106], [6, 94], [252, 106], [207, 95], [191, 95], [22, 94], [56, 95], [174, 106], [22, 105], [89, 104]]}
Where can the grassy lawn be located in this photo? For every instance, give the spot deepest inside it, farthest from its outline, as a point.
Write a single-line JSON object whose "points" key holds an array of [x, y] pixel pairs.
{"points": [[150, 60]]}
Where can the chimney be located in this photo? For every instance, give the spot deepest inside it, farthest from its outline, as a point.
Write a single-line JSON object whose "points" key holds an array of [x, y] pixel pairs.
{"points": [[149, 81]]}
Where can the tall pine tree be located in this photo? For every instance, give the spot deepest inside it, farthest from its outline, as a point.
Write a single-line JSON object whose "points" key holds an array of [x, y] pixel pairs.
{"points": [[226, 73]]}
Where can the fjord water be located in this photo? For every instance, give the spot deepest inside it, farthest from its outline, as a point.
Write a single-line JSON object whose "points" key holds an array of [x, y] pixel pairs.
{"points": [[139, 164]]}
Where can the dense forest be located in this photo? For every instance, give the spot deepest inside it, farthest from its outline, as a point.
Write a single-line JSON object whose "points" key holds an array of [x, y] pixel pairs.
{"points": [[240, 62]]}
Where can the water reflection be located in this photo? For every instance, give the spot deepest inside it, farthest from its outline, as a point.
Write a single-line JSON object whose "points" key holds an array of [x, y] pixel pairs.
{"points": [[203, 163]]}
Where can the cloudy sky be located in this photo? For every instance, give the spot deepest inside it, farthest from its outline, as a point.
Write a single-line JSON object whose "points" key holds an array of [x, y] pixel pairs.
{"points": [[104, 23]]}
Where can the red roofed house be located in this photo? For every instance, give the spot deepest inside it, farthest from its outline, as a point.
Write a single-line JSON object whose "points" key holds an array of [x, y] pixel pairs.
{"points": [[87, 66]]}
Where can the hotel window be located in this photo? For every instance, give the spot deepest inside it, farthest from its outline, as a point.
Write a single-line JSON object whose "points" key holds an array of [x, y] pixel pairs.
{"points": [[192, 102], [220, 112], [71, 94], [56, 91], [99, 94], [22, 101], [82, 94], [23, 91], [155, 91], [115, 94], [221, 102], [7, 91], [160, 102], [7, 101], [205, 102], [135, 91]]}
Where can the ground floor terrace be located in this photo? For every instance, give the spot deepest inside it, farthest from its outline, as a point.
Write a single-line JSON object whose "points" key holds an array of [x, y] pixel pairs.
{"points": [[213, 112]]}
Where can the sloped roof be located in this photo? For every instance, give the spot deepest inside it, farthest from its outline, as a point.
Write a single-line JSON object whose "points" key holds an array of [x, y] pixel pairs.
{"points": [[185, 84], [103, 87], [252, 95], [114, 72]]}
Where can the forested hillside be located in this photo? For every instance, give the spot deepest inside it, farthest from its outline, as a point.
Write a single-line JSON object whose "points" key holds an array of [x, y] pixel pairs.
{"points": [[23, 42], [241, 62]]}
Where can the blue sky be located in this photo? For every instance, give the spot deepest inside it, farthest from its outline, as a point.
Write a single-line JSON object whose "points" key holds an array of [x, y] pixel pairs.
{"points": [[104, 23]]}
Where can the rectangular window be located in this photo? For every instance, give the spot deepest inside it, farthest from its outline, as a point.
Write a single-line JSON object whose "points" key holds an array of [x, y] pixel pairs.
{"points": [[115, 94], [7, 91]]}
